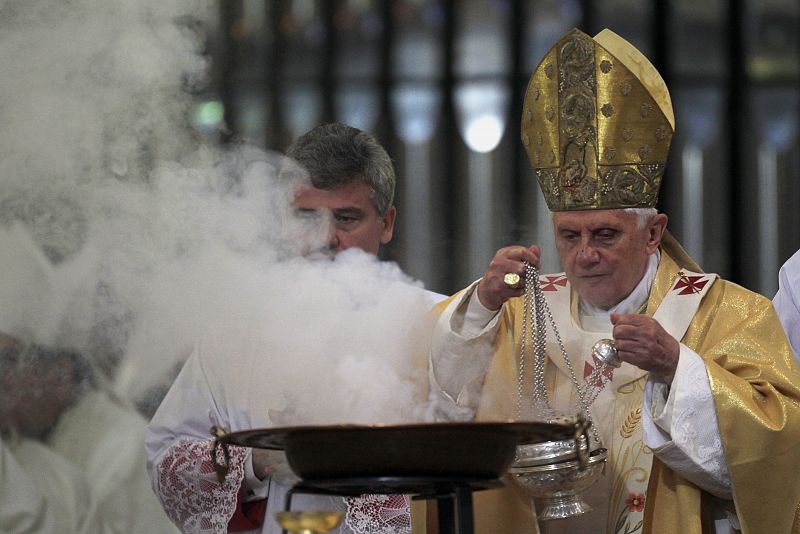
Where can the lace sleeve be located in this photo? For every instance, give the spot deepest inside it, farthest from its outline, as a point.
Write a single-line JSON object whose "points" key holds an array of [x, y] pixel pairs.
{"points": [[189, 490], [683, 430], [379, 514]]}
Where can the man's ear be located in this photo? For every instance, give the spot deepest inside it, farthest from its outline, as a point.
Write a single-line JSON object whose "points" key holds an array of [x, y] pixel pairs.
{"points": [[388, 225], [656, 231]]}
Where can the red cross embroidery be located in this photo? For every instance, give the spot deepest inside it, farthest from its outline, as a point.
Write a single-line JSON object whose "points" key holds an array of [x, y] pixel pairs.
{"points": [[588, 369], [550, 282], [690, 284]]}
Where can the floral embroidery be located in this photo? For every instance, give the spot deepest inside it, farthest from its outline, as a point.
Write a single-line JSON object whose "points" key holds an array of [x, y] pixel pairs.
{"points": [[632, 462], [635, 502]]}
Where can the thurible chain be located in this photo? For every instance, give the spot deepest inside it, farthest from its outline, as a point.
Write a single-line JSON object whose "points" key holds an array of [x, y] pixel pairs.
{"points": [[535, 317]]}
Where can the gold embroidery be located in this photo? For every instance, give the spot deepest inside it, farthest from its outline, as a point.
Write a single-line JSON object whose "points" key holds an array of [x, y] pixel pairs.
{"points": [[583, 85], [632, 468], [630, 423]]}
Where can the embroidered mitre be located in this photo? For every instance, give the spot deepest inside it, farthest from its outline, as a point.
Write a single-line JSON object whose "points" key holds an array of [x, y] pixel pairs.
{"points": [[597, 124]]}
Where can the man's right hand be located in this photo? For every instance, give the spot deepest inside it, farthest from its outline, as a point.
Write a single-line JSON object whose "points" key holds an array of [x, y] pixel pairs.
{"points": [[492, 290]]}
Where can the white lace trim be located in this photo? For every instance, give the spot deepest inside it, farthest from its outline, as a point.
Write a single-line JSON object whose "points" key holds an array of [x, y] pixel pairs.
{"points": [[190, 492], [683, 429], [702, 442], [379, 514]]}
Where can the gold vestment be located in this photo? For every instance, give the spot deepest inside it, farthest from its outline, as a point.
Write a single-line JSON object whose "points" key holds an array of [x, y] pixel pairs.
{"points": [[755, 385]]}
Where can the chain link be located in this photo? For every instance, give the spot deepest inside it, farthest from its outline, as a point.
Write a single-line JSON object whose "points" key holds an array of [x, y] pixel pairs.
{"points": [[535, 317]]}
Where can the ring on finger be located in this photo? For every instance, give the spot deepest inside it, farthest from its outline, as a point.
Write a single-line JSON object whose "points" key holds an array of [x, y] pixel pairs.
{"points": [[512, 280]]}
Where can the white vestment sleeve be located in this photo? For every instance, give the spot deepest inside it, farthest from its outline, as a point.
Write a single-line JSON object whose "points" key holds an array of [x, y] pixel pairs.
{"points": [[681, 427], [179, 455], [102, 437], [68, 503], [460, 355], [787, 301], [23, 509]]}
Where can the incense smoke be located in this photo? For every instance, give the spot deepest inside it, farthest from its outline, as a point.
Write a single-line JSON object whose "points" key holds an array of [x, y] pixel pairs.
{"points": [[161, 243]]}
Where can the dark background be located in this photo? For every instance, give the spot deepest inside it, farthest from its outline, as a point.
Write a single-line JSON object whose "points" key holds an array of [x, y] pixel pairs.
{"points": [[441, 84]]}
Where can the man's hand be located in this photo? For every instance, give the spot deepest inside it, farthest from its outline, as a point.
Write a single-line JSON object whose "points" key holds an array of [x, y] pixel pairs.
{"points": [[642, 342], [269, 463], [492, 290]]}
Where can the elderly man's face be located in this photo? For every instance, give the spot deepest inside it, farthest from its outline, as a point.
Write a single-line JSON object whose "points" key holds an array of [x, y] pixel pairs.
{"points": [[354, 220], [603, 252]]}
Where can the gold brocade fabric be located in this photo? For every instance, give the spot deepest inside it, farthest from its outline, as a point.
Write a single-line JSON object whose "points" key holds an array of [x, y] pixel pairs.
{"points": [[754, 381], [597, 124], [756, 388], [676, 251]]}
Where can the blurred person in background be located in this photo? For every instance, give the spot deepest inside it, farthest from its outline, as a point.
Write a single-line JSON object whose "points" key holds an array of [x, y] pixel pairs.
{"points": [[24, 508], [61, 424], [40, 492], [46, 492]]}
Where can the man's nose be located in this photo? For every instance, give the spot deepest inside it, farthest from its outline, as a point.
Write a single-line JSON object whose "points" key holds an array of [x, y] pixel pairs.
{"points": [[334, 241], [587, 253]]}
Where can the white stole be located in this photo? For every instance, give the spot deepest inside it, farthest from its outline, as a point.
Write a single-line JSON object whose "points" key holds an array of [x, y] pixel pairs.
{"points": [[618, 497]]}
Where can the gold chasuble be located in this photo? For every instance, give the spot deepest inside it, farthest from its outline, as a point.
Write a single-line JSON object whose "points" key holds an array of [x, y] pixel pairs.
{"points": [[755, 387], [597, 124]]}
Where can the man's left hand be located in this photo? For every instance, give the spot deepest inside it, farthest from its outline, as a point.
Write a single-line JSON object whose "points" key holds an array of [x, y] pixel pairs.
{"points": [[642, 342], [269, 463]]}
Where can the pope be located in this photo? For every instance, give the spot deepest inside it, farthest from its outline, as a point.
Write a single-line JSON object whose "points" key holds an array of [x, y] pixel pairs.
{"points": [[702, 418]]}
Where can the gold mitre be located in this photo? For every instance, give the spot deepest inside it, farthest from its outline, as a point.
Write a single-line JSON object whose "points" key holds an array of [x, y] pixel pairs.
{"points": [[597, 124]]}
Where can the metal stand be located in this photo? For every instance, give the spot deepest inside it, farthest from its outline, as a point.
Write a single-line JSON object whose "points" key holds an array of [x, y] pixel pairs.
{"points": [[455, 511], [453, 496]]}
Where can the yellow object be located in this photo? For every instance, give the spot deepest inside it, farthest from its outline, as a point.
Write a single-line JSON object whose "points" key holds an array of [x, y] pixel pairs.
{"points": [[756, 388], [597, 124], [309, 522], [511, 280]]}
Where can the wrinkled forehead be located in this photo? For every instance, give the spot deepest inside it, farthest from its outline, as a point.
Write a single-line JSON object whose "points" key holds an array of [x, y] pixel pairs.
{"points": [[351, 195], [593, 219]]}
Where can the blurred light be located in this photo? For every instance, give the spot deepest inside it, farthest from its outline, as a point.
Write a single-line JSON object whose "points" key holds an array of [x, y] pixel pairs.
{"points": [[357, 106], [483, 133], [774, 117], [302, 103], [416, 109], [209, 115], [481, 108], [701, 110], [417, 55]]}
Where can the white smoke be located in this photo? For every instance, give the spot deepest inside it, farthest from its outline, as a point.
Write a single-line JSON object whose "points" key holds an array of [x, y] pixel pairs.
{"points": [[94, 87], [318, 341], [162, 243]]}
